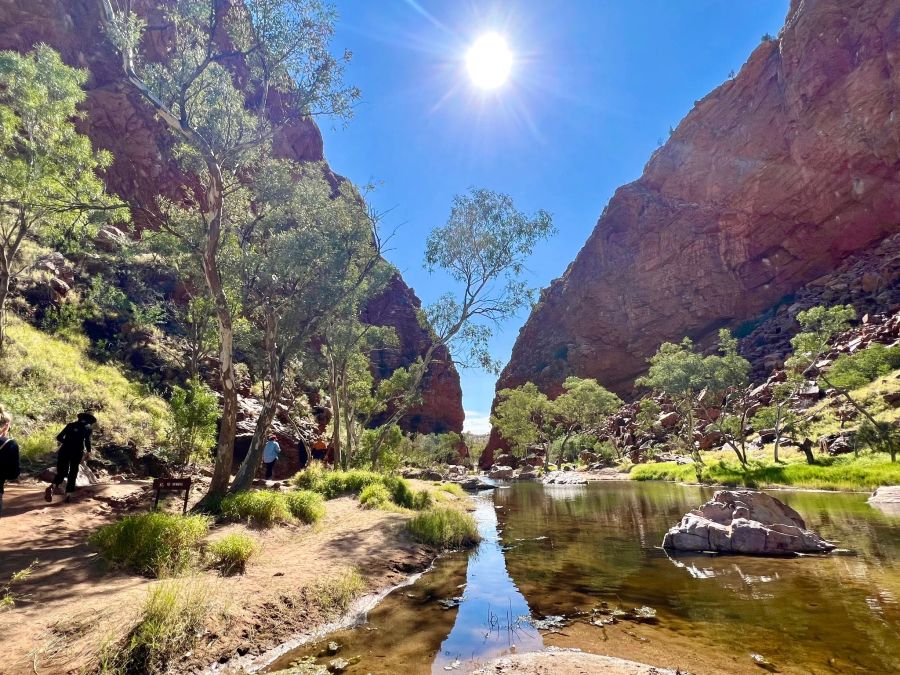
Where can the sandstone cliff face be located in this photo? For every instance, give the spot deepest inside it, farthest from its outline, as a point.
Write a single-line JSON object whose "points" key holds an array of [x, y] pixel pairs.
{"points": [[441, 408], [769, 182], [119, 121]]}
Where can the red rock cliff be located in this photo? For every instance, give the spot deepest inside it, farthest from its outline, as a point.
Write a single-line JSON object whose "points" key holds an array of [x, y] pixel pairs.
{"points": [[769, 182], [119, 121]]}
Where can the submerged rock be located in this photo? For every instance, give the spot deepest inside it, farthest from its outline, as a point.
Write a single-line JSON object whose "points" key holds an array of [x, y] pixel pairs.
{"points": [[745, 521]]}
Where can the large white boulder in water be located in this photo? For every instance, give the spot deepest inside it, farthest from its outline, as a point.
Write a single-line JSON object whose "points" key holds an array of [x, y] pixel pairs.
{"points": [[745, 521]]}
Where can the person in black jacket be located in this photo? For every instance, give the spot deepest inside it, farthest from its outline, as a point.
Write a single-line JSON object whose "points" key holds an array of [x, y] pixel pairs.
{"points": [[9, 454], [75, 445]]}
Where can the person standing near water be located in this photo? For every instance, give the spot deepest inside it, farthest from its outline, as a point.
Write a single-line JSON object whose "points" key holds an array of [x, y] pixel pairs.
{"points": [[9, 454], [271, 453], [75, 445]]}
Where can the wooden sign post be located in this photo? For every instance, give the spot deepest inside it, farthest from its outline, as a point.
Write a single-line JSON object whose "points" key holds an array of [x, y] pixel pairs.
{"points": [[172, 485]]}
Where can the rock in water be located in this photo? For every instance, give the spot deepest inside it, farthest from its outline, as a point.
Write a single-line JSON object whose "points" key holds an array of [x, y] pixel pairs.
{"points": [[745, 521]]}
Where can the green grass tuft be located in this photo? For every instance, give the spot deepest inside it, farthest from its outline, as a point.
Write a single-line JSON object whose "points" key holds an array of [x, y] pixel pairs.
{"points": [[171, 620], [231, 553], [335, 594], [841, 473], [306, 506], [333, 484], [454, 489], [154, 544], [444, 528], [375, 496]]}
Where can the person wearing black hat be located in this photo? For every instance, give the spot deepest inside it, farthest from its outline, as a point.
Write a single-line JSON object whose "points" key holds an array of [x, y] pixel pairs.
{"points": [[9, 453], [74, 445]]}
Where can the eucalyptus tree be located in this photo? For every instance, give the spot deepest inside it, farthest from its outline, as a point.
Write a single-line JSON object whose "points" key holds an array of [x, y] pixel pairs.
{"points": [[303, 253], [525, 418], [48, 180], [482, 250], [584, 407], [230, 75]]}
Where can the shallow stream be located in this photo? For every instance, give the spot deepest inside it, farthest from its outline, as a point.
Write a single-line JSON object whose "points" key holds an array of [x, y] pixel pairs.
{"points": [[582, 552]]}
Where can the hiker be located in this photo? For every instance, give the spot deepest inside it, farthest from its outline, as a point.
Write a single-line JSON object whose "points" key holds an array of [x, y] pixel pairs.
{"points": [[75, 445], [9, 454], [271, 453]]}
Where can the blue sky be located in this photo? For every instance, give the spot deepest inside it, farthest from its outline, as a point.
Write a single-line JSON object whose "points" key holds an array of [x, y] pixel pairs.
{"points": [[594, 88]]}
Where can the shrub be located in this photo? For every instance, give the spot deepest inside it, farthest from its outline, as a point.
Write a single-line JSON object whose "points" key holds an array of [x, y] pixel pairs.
{"points": [[336, 593], [154, 544], [306, 506], [374, 496], [422, 500], [171, 619], [454, 489], [195, 411], [262, 508], [334, 484], [851, 371], [231, 553], [401, 494], [444, 528]]}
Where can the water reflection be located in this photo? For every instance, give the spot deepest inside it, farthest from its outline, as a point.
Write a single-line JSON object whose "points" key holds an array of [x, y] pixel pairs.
{"points": [[558, 550], [493, 616]]}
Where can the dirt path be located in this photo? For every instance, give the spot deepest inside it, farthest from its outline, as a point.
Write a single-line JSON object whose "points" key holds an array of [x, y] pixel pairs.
{"points": [[72, 604]]}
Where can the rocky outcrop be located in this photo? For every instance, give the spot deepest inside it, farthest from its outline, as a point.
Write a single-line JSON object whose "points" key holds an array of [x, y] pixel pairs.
{"points": [[143, 168], [768, 183], [441, 408], [886, 499], [747, 522]]}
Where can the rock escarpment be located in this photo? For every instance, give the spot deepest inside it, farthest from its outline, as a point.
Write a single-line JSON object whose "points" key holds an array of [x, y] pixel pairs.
{"points": [[746, 522], [769, 182], [118, 120]]}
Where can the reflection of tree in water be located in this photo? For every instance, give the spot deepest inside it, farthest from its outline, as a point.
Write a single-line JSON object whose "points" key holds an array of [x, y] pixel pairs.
{"points": [[601, 544]]}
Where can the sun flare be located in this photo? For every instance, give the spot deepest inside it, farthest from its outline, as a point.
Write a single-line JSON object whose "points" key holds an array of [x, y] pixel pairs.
{"points": [[489, 61]]}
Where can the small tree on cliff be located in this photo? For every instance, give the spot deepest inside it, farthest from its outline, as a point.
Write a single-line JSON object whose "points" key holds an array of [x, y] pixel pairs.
{"points": [[482, 248], [221, 118], [583, 408], [48, 183], [525, 417]]}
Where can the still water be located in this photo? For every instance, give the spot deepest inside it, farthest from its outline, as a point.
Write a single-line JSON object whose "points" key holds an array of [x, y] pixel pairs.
{"points": [[563, 550]]}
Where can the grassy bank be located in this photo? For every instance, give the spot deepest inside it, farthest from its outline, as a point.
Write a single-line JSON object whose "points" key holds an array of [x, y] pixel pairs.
{"points": [[45, 381], [839, 473]]}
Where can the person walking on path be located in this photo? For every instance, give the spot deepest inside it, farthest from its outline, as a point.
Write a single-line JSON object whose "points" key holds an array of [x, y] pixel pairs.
{"points": [[75, 445], [9, 454], [271, 453]]}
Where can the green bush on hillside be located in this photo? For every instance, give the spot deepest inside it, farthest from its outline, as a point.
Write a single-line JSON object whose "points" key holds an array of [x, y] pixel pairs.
{"points": [[154, 544], [444, 528], [851, 371]]}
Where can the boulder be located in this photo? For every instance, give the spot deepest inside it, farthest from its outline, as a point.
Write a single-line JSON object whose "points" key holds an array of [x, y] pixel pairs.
{"points": [[564, 478], [475, 483], [838, 444], [501, 472], [85, 476], [886, 499], [668, 420], [110, 239], [747, 522]]}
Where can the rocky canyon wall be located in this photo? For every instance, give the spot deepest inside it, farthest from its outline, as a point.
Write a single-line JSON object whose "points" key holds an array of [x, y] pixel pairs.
{"points": [[771, 181], [118, 120]]}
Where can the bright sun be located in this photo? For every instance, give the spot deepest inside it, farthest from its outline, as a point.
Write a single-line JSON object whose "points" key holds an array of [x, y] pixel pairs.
{"points": [[489, 61]]}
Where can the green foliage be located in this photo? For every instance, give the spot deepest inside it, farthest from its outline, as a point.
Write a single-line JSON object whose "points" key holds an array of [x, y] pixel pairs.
{"points": [[333, 484], [231, 553], [374, 496], [453, 488], [265, 508], [428, 450], [48, 185], [171, 620], [444, 528], [844, 473], [648, 414], [306, 506], [523, 417], [154, 544], [820, 326], [382, 446], [44, 379], [851, 371], [195, 412], [880, 436], [422, 500]]}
